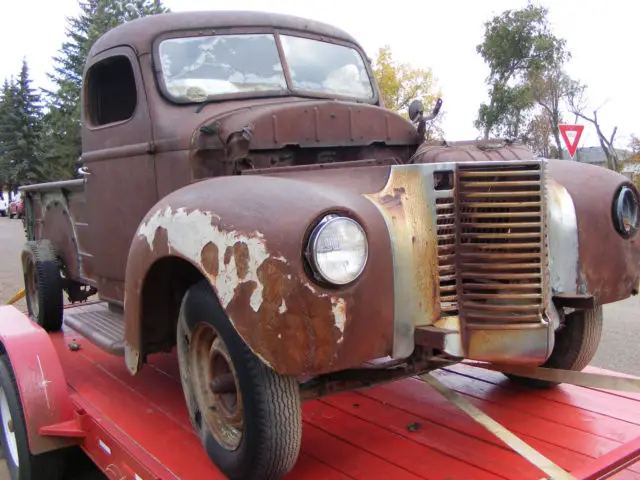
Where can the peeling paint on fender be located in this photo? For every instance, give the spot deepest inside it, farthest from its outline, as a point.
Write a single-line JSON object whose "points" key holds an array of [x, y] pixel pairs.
{"points": [[339, 309], [192, 233]]}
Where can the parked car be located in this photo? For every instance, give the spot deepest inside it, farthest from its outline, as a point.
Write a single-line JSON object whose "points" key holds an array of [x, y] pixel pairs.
{"points": [[16, 206], [4, 204], [248, 201]]}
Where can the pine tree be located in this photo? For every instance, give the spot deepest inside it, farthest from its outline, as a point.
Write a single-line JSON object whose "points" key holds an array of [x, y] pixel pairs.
{"points": [[7, 140], [27, 168], [20, 129], [62, 142]]}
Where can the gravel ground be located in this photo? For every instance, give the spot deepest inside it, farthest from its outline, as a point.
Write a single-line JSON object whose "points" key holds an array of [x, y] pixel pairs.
{"points": [[618, 350]]}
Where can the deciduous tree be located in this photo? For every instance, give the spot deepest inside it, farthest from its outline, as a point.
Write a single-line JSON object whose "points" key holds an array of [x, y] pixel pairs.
{"points": [[578, 105], [549, 91], [400, 84], [516, 44]]}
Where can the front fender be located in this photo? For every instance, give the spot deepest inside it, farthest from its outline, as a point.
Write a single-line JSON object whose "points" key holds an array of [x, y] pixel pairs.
{"points": [[607, 266], [246, 236]]}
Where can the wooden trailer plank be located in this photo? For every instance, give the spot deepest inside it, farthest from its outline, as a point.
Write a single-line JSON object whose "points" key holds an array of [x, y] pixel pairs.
{"points": [[399, 430]]}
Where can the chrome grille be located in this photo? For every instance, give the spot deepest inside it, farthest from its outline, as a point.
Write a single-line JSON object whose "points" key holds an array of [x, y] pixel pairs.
{"points": [[500, 243], [446, 223]]}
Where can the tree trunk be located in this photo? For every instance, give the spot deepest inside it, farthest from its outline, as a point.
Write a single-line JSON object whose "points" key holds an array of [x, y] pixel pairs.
{"points": [[556, 137]]}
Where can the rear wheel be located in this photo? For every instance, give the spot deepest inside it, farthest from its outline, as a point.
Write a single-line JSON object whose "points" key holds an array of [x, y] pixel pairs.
{"points": [[22, 465], [247, 416], [575, 345], [43, 284]]}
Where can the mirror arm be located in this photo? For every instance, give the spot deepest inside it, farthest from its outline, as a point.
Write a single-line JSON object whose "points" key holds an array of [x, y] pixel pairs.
{"points": [[421, 121]]}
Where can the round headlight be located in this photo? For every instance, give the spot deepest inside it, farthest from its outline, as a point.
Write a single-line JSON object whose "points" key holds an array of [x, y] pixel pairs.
{"points": [[338, 249], [625, 211]]}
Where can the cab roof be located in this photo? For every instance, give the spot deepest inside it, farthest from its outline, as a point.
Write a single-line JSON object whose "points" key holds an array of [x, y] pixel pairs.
{"points": [[141, 32]]}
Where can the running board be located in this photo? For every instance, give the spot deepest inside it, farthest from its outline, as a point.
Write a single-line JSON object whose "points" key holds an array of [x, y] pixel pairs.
{"points": [[100, 325]]}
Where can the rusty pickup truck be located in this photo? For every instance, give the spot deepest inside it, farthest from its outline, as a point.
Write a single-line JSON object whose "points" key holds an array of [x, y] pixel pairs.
{"points": [[245, 199]]}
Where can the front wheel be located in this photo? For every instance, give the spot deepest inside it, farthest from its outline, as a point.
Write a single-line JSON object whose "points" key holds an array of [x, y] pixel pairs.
{"points": [[247, 416], [575, 345]]}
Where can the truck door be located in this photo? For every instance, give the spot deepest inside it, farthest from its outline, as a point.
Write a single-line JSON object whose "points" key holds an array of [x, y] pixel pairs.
{"points": [[118, 165]]}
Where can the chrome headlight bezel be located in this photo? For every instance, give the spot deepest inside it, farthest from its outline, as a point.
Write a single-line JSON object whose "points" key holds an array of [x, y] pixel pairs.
{"points": [[311, 250], [626, 211]]}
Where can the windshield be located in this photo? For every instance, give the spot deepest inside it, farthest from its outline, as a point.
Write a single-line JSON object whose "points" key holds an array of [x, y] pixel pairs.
{"points": [[196, 69], [326, 68]]}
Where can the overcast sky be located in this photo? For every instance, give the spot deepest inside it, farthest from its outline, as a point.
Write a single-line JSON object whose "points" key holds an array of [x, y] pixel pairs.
{"points": [[441, 35]]}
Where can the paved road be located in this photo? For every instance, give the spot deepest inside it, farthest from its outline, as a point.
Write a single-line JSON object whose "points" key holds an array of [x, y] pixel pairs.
{"points": [[618, 350]]}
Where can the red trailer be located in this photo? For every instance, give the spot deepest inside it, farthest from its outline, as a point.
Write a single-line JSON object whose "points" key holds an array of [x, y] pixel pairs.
{"points": [[59, 390]]}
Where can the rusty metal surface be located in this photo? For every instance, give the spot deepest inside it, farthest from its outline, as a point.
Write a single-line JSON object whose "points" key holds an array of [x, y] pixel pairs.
{"points": [[421, 361], [310, 124], [492, 259], [470, 258], [61, 185], [470, 151], [53, 219], [141, 32], [250, 249], [163, 147], [500, 245], [406, 203], [120, 186], [609, 265], [300, 133]]}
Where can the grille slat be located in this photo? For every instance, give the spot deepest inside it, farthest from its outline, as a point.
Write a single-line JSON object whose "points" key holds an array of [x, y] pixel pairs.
{"points": [[491, 244]]}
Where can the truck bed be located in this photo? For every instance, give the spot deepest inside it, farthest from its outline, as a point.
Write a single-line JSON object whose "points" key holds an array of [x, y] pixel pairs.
{"points": [[402, 430]]}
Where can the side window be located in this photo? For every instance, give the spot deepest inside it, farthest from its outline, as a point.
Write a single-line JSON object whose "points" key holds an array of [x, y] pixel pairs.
{"points": [[111, 91]]}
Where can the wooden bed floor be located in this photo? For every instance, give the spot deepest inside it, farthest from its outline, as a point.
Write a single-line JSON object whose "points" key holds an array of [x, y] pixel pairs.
{"points": [[402, 430]]}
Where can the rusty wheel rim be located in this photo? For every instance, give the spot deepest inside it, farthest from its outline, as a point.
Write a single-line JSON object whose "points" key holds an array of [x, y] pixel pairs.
{"points": [[215, 386], [32, 288]]}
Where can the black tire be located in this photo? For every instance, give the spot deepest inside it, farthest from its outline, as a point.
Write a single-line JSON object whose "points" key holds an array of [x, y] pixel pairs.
{"points": [[22, 465], [575, 345], [272, 422], [43, 285]]}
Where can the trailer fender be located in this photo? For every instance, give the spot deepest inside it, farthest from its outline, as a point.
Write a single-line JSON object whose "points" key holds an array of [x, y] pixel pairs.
{"points": [[246, 235], [39, 376]]}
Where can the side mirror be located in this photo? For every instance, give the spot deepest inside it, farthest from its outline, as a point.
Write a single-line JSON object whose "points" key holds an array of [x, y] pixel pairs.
{"points": [[416, 114], [416, 110]]}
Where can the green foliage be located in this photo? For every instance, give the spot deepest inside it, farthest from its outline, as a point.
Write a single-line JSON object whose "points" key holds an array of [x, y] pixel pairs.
{"points": [[38, 147], [400, 84], [20, 128], [517, 44], [62, 142], [634, 146]]}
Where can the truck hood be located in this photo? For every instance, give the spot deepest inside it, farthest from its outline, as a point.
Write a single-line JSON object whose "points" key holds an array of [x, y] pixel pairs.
{"points": [[306, 123]]}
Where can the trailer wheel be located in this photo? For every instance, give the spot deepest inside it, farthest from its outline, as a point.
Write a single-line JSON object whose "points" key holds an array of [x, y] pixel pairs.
{"points": [[576, 344], [247, 416], [43, 285], [22, 465]]}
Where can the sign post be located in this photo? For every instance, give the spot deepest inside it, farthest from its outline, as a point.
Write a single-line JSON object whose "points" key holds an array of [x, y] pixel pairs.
{"points": [[571, 136]]}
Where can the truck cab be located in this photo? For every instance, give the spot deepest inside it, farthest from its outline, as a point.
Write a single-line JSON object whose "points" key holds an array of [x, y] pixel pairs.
{"points": [[247, 200]]}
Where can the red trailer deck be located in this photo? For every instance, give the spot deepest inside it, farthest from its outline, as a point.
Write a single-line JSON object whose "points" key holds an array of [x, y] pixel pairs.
{"points": [[138, 428]]}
